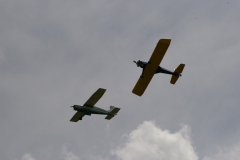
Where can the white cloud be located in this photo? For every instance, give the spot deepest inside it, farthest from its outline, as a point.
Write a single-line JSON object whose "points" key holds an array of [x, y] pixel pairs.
{"points": [[67, 155], [28, 157], [232, 153], [151, 142]]}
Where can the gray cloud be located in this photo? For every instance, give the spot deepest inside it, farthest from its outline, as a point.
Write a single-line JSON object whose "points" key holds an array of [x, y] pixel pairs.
{"points": [[224, 153], [68, 155], [54, 54], [28, 157]]}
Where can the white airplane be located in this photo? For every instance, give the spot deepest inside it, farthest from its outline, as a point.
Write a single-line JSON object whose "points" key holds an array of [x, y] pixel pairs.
{"points": [[88, 108]]}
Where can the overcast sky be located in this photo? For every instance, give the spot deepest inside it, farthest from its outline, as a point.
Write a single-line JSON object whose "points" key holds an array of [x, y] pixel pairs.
{"points": [[57, 53]]}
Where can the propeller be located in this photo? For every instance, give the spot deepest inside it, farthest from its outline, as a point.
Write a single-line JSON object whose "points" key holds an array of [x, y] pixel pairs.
{"points": [[137, 63], [73, 107]]}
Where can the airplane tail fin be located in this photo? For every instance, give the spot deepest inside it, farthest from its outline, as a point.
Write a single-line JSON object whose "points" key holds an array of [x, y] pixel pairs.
{"points": [[177, 72], [112, 112]]}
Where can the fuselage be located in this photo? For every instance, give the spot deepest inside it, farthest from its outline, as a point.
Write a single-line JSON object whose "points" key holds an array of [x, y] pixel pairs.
{"points": [[90, 110], [160, 69]]}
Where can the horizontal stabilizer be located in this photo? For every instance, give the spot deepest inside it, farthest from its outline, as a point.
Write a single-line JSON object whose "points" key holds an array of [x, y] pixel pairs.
{"points": [[112, 113], [108, 117], [174, 79], [178, 70]]}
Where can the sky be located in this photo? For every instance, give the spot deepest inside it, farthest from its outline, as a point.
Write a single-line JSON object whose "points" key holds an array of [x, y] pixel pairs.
{"points": [[56, 53]]}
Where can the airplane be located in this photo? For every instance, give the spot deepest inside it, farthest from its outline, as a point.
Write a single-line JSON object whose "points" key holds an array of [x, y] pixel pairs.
{"points": [[152, 67], [88, 108]]}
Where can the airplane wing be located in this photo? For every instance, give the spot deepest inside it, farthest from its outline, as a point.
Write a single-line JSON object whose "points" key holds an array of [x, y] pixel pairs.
{"points": [[95, 97], [151, 68], [159, 51], [77, 116]]}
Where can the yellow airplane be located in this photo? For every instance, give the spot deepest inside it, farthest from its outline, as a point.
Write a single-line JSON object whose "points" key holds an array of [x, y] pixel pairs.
{"points": [[152, 67]]}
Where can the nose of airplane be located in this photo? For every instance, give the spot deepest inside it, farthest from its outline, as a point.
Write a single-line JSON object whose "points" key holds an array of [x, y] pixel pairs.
{"points": [[137, 63], [73, 107]]}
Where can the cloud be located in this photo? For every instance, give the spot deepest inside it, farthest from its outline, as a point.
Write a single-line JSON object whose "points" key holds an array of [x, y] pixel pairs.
{"points": [[67, 155], [1, 55], [232, 153], [151, 142], [54, 54], [28, 157]]}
